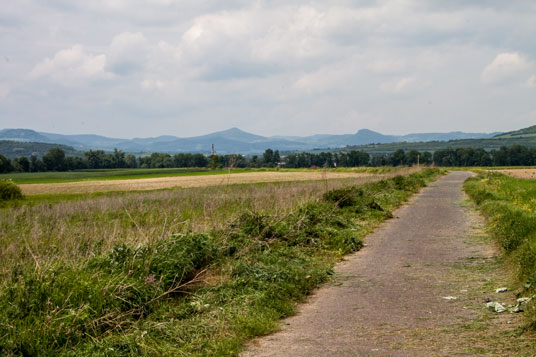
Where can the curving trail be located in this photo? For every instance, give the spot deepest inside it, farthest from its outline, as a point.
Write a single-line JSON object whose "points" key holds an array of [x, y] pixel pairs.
{"points": [[389, 298]]}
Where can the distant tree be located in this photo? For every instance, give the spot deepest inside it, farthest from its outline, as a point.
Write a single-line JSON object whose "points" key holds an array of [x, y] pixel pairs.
{"points": [[36, 165], [199, 160], [520, 156], [398, 158], [95, 159], [21, 164], [501, 157], [5, 164], [277, 158], [118, 159], [412, 157], [130, 161], [380, 160], [254, 161], [215, 162], [54, 159], [158, 160], [268, 158], [426, 158], [74, 163]]}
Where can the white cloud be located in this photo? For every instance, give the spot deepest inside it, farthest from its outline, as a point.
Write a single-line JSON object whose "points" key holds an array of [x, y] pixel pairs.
{"points": [[4, 90], [151, 84], [127, 53], [399, 85], [72, 65], [531, 82], [387, 66], [505, 67], [287, 64]]}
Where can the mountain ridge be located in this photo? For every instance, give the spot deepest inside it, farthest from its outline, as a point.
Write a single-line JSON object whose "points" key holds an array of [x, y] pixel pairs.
{"points": [[233, 140]]}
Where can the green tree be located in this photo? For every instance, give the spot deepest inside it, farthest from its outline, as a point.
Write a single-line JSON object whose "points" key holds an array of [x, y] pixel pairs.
{"points": [[5, 164], [268, 158], [215, 162], [118, 159], [21, 164], [130, 161], [398, 158], [54, 159]]}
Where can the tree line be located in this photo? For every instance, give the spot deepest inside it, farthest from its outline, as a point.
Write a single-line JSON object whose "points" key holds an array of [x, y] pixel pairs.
{"points": [[56, 160]]}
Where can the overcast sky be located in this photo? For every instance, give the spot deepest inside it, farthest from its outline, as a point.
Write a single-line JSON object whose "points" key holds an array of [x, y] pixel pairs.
{"points": [[139, 68]]}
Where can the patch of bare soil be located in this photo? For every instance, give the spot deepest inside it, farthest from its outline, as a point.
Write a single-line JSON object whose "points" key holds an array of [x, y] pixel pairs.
{"points": [[419, 288], [182, 181], [520, 173]]}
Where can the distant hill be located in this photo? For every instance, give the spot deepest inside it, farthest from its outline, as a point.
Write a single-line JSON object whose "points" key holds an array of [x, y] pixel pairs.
{"points": [[366, 136], [526, 132], [26, 135], [12, 149], [526, 138], [228, 141]]}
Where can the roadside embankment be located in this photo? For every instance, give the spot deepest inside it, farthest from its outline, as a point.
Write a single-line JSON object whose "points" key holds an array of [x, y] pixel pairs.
{"points": [[509, 205]]}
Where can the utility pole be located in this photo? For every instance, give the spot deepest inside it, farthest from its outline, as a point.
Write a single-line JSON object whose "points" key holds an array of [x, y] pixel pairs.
{"points": [[418, 160]]}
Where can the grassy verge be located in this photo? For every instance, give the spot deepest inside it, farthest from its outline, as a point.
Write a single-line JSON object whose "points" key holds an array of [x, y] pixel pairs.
{"points": [[203, 291], [509, 204]]}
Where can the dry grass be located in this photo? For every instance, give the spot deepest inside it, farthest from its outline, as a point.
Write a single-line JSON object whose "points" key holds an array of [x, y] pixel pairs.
{"points": [[68, 231], [519, 173], [181, 181]]}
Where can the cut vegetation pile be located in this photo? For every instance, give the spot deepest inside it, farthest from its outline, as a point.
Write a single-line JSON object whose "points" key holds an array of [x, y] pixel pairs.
{"points": [[509, 204], [198, 292]]}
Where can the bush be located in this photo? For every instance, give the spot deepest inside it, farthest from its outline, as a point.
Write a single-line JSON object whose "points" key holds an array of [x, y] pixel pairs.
{"points": [[9, 191]]}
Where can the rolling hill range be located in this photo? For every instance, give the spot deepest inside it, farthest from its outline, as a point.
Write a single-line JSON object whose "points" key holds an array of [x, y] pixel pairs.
{"points": [[525, 137], [232, 140], [13, 149]]}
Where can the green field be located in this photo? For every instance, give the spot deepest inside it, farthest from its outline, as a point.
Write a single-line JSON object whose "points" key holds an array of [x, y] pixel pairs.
{"points": [[108, 174], [177, 272], [127, 174]]}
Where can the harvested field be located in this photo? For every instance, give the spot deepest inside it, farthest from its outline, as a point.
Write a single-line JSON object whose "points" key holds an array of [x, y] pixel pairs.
{"points": [[519, 173], [182, 181]]}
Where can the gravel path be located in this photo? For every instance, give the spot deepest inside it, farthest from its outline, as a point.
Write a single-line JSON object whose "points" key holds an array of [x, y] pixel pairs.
{"points": [[391, 298]]}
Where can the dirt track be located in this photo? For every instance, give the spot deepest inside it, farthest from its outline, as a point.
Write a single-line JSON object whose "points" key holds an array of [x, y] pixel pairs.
{"points": [[181, 181], [389, 298]]}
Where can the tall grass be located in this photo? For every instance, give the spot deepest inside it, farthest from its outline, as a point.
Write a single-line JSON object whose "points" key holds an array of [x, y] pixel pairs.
{"points": [[178, 272], [509, 204]]}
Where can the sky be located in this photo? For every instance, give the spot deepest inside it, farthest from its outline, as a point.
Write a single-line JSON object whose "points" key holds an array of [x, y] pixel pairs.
{"points": [[141, 68]]}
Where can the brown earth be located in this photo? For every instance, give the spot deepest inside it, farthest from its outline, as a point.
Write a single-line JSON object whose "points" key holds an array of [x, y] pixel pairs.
{"points": [[521, 173], [181, 181], [392, 298]]}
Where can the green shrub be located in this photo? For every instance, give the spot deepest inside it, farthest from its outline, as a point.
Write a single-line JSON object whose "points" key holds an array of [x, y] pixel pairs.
{"points": [[9, 191]]}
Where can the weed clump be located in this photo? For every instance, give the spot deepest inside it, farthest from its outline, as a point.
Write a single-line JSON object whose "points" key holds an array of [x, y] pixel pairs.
{"points": [[9, 191]]}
